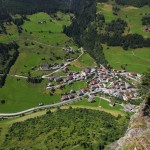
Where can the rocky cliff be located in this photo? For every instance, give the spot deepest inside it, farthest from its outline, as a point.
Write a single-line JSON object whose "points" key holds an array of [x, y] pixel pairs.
{"points": [[137, 137]]}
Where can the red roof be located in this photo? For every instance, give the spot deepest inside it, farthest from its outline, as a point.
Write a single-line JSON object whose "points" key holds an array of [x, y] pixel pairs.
{"points": [[70, 77], [133, 73]]}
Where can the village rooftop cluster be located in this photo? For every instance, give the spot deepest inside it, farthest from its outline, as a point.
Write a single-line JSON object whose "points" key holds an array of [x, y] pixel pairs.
{"points": [[110, 82]]}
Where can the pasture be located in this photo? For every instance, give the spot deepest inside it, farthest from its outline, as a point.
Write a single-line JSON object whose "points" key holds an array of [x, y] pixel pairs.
{"points": [[137, 60], [131, 15], [48, 29], [100, 104], [20, 95], [84, 61]]}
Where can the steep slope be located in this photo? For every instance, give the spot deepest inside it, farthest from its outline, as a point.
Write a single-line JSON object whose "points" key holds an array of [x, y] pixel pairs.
{"points": [[138, 134]]}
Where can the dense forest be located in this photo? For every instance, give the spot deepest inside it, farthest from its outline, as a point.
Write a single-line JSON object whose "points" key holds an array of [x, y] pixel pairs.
{"points": [[144, 89], [30, 7], [90, 32], [8, 55], [65, 129], [136, 3]]}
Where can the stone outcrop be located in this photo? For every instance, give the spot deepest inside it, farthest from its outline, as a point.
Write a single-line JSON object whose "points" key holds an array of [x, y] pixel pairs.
{"points": [[138, 134]]}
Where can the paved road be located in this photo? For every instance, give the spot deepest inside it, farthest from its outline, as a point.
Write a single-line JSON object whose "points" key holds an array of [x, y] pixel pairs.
{"points": [[127, 76], [47, 76], [12, 115]]}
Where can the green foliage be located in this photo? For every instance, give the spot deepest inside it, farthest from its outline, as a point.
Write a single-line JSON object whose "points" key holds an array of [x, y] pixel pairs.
{"points": [[145, 92], [133, 59], [30, 7], [8, 56], [65, 129], [116, 26], [145, 84], [146, 20], [137, 3]]}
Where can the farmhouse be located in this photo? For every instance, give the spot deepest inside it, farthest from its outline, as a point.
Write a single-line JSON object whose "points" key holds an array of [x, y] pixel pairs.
{"points": [[84, 74], [71, 96], [50, 84], [91, 100], [111, 104], [51, 78], [68, 49], [87, 70], [79, 93], [58, 79], [133, 73], [44, 67], [64, 98]]}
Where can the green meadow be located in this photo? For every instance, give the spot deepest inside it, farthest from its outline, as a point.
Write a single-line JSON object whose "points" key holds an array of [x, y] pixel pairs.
{"points": [[20, 95], [137, 60], [44, 22], [12, 33], [48, 29], [84, 61], [130, 14], [38, 44], [100, 104]]}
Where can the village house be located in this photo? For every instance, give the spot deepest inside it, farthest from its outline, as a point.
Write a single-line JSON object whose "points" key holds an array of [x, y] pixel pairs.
{"points": [[91, 100], [57, 79], [126, 96], [83, 74], [71, 96], [70, 77], [133, 73], [44, 67], [51, 78], [72, 92], [64, 98], [80, 93], [87, 70], [83, 90], [111, 104], [129, 108], [68, 49], [50, 84]]}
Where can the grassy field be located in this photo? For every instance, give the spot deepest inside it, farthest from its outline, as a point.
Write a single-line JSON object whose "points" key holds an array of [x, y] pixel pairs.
{"points": [[47, 29], [44, 22], [42, 46], [100, 104], [84, 61], [75, 86], [130, 14], [32, 56], [39, 43], [137, 60], [20, 95], [12, 33]]}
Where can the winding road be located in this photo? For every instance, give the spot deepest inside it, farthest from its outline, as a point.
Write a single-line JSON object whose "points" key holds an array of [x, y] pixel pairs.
{"points": [[12, 115], [66, 64]]}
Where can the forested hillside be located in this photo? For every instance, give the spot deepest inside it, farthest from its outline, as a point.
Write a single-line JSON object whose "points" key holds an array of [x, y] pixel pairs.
{"points": [[93, 30], [66, 129], [8, 55], [33, 6], [136, 3], [89, 28]]}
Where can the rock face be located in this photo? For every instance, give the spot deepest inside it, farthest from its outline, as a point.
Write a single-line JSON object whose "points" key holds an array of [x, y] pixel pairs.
{"points": [[138, 134]]}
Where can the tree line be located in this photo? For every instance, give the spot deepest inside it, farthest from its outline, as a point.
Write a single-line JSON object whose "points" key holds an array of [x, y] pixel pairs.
{"points": [[8, 55], [136, 3], [65, 129], [92, 31]]}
